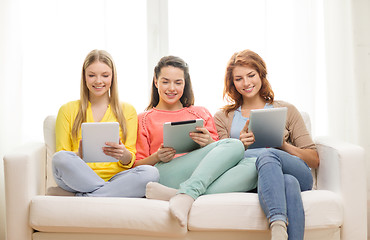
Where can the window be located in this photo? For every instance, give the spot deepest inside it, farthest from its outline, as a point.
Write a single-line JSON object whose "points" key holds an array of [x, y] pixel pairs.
{"points": [[287, 34], [56, 37]]}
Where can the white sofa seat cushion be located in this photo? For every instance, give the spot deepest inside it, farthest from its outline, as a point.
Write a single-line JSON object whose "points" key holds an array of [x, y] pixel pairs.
{"points": [[323, 209], [241, 211], [135, 216]]}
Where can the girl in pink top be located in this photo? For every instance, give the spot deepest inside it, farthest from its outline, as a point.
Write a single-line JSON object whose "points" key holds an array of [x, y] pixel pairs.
{"points": [[183, 178]]}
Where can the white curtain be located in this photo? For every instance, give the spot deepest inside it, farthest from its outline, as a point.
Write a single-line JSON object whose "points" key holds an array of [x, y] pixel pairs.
{"points": [[347, 53], [317, 53], [57, 35], [287, 34], [10, 94], [342, 97]]}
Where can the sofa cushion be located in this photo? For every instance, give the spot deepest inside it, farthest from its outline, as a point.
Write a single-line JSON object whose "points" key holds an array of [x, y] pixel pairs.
{"points": [[241, 211], [131, 216], [323, 209]]}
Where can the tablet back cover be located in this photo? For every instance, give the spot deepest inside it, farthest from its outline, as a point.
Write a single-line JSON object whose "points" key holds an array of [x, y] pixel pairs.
{"points": [[176, 135], [94, 136]]}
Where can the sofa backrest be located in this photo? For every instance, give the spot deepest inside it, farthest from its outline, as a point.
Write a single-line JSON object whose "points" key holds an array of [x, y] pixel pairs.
{"points": [[49, 138]]}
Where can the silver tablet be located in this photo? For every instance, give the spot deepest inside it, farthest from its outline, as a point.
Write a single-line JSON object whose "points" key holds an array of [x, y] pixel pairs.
{"points": [[94, 137], [176, 135], [268, 126]]}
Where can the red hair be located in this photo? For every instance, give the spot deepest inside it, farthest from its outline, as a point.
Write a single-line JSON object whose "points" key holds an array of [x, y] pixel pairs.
{"points": [[246, 58]]}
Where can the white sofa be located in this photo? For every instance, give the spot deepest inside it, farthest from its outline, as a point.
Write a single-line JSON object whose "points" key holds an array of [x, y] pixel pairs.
{"points": [[336, 209]]}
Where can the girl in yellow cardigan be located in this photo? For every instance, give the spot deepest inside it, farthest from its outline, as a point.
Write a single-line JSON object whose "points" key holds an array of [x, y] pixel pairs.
{"points": [[99, 102]]}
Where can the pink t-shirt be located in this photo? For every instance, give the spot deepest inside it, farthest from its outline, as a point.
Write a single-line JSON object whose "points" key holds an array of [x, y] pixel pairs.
{"points": [[150, 130]]}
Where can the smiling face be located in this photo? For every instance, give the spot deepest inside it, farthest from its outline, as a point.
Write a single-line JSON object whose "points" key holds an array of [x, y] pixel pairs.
{"points": [[247, 82], [98, 79], [170, 84]]}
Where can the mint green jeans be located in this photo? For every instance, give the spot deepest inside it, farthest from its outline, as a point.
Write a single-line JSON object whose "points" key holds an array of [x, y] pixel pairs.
{"points": [[219, 167]]}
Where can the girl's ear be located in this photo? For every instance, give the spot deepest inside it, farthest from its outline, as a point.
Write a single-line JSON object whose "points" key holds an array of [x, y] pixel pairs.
{"points": [[155, 82]]}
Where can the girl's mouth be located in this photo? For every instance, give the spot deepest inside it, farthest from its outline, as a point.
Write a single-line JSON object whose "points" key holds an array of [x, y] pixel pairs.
{"points": [[99, 87], [249, 89]]}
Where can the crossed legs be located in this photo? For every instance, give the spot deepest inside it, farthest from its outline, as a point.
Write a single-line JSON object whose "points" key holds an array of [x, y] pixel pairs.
{"points": [[207, 168], [281, 178], [73, 175]]}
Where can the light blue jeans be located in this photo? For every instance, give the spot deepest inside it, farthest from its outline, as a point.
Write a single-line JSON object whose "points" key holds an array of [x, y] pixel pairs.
{"points": [[72, 174], [281, 178], [219, 167]]}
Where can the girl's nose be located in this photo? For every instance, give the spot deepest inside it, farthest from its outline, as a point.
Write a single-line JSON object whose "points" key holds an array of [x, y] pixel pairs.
{"points": [[246, 81], [99, 79], [172, 86]]}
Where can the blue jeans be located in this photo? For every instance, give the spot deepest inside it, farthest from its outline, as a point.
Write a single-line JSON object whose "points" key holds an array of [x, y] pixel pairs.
{"points": [[281, 178], [72, 174]]}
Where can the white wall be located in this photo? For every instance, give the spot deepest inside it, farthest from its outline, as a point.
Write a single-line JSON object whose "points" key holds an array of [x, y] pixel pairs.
{"points": [[348, 73], [10, 79], [361, 38]]}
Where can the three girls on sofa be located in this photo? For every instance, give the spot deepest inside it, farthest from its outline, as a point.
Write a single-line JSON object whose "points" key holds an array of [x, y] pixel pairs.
{"points": [[224, 165]]}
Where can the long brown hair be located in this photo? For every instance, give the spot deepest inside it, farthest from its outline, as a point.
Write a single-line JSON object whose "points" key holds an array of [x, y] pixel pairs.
{"points": [[187, 98], [103, 57], [251, 59]]}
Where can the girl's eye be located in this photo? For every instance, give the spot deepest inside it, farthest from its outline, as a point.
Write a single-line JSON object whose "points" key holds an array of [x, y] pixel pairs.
{"points": [[91, 75], [105, 76], [238, 79], [252, 75]]}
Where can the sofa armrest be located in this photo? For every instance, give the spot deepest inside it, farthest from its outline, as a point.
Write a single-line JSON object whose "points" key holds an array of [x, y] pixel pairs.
{"points": [[24, 174], [343, 170]]}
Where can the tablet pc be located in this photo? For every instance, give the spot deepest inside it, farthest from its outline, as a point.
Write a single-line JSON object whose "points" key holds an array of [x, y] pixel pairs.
{"points": [[176, 135], [268, 127], [94, 137]]}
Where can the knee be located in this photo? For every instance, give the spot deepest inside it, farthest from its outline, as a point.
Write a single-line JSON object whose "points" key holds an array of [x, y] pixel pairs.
{"points": [[60, 159], [265, 157], [300, 184], [291, 183], [149, 173], [235, 144], [248, 165]]}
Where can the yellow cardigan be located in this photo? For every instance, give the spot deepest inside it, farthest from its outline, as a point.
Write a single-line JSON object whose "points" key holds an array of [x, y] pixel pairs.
{"points": [[64, 141]]}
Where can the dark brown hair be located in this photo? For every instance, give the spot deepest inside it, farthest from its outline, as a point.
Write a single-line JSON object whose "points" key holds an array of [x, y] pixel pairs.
{"points": [[187, 98]]}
